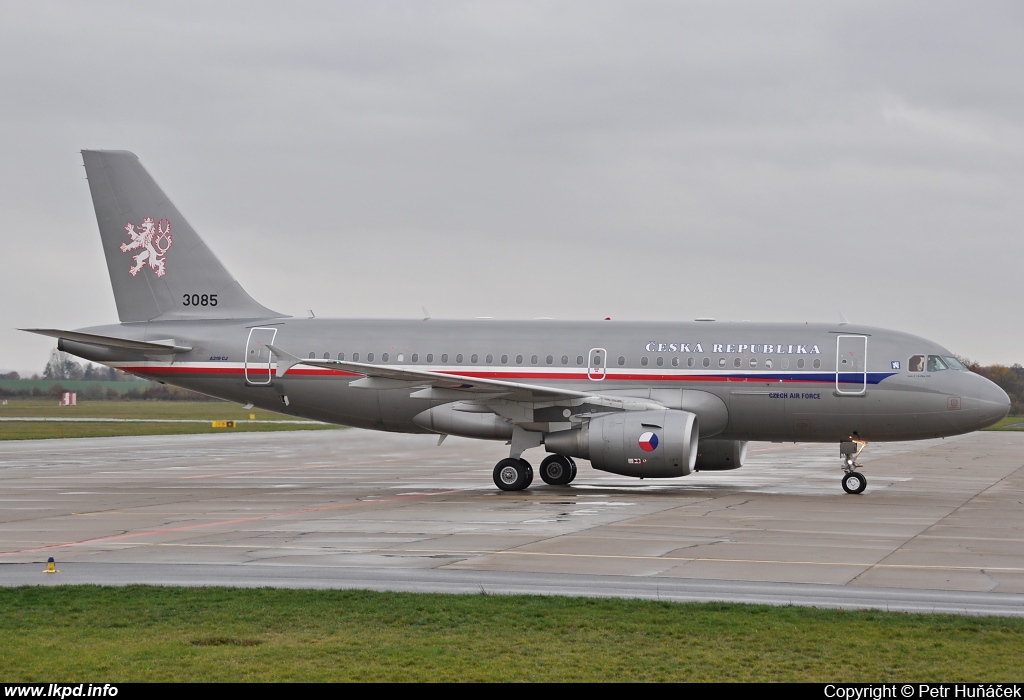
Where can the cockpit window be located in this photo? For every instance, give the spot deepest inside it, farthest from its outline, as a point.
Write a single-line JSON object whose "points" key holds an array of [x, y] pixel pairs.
{"points": [[916, 363], [954, 363], [935, 364]]}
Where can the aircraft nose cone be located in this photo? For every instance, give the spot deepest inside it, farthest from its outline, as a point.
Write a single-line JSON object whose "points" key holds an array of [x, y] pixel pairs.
{"points": [[992, 402]]}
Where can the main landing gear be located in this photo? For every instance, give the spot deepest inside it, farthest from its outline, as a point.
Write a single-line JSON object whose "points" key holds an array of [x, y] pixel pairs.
{"points": [[853, 481], [557, 470], [511, 474], [515, 474]]}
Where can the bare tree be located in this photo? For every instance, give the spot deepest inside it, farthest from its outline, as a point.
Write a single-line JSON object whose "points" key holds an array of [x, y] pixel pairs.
{"points": [[62, 366]]}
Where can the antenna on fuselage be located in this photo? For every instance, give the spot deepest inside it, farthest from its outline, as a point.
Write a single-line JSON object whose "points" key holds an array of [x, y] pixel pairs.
{"points": [[426, 314], [842, 320]]}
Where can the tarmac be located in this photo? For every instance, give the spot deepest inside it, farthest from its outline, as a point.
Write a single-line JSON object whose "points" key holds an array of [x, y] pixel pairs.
{"points": [[938, 528]]}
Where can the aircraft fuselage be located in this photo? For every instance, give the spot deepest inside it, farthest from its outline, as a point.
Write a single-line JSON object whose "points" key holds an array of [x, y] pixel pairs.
{"points": [[782, 382]]}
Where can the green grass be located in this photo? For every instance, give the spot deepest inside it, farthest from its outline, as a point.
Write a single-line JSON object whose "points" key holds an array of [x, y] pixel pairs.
{"points": [[162, 410], [215, 634], [1009, 423]]}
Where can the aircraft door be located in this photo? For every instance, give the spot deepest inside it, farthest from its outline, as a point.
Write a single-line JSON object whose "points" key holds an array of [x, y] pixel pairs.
{"points": [[596, 364], [258, 356], [851, 365]]}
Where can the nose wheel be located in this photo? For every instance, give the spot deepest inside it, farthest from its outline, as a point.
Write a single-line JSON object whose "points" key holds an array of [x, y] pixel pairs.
{"points": [[513, 474], [854, 482]]}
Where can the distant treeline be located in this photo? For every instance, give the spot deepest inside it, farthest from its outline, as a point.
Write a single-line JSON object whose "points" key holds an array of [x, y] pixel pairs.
{"points": [[96, 382], [128, 389]]}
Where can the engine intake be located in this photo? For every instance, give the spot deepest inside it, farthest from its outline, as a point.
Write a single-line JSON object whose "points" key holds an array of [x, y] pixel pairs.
{"points": [[645, 444]]}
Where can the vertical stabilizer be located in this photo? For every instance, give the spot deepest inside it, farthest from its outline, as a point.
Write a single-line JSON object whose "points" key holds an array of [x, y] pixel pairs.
{"points": [[159, 266]]}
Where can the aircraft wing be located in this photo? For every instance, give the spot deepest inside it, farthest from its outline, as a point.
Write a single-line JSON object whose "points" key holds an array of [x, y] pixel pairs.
{"points": [[454, 386]]}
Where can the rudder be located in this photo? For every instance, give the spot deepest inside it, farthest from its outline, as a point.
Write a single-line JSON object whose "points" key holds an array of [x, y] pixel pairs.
{"points": [[159, 266]]}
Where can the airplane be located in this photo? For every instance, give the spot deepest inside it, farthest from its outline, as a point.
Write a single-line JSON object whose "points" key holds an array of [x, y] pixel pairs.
{"points": [[639, 399]]}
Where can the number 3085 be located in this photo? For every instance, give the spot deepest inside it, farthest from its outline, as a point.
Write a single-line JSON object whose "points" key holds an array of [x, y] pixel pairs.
{"points": [[199, 299]]}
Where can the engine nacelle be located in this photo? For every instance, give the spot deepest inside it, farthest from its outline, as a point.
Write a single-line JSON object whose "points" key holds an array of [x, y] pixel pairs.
{"points": [[720, 455], [645, 444]]}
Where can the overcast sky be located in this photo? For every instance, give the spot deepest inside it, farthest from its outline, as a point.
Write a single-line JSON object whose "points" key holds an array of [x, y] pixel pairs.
{"points": [[639, 160]]}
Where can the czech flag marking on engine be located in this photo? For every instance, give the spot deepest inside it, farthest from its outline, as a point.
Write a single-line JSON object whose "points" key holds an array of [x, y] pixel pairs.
{"points": [[648, 441]]}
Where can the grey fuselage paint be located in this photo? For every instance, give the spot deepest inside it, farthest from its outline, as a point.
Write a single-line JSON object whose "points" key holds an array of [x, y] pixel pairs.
{"points": [[805, 400]]}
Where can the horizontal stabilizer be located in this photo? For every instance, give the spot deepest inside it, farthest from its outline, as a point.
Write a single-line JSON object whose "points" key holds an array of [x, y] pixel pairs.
{"points": [[163, 347]]}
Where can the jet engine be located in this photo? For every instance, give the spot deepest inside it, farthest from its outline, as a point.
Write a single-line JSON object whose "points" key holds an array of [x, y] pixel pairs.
{"points": [[720, 455], [646, 444]]}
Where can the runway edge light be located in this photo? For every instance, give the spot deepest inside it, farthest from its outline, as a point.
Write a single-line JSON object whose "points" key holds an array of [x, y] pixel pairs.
{"points": [[51, 567]]}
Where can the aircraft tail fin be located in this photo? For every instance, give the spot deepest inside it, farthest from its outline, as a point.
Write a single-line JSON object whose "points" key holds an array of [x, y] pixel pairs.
{"points": [[160, 269]]}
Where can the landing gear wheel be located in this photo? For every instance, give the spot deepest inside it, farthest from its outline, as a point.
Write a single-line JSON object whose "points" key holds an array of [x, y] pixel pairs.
{"points": [[557, 470], [512, 474], [854, 482], [572, 477]]}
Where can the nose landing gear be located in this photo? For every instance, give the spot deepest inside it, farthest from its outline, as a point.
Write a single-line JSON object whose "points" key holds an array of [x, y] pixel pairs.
{"points": [[853, 481]]}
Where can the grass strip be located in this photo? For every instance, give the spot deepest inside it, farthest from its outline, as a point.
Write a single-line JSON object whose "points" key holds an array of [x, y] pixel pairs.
{"points": [[140, 633], [138, 410], [1008, 423]]}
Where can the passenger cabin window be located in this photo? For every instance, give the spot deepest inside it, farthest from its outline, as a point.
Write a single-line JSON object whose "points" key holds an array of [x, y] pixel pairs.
{"points": [[690, 362], [753, 362], [474, 358], [490, 359], [817, 364], [504, 359], [519, 359], [675, 361], [579, 360], [800, 363], [643, 361], [430, 357], [706, 362], [549, 359], [312, 355], [660, 362], [444, 358], [369, 357], [341, 356], [785, 363], [355, 357], [721, 362], [533, 359], [384, 357], [327, 355], [916, 363], [415, 357], [458, 358], [400, 358], [622, 360], [565, 359], [768, 363]]}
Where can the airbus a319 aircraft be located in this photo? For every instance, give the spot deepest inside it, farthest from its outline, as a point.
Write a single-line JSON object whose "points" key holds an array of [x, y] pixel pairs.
{"points": [[647, 400]]}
